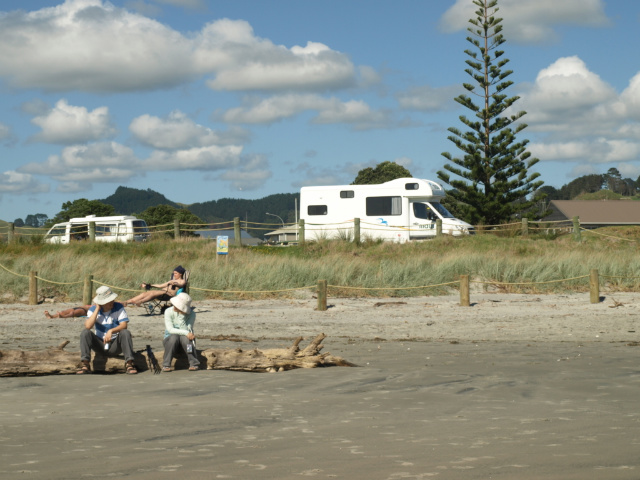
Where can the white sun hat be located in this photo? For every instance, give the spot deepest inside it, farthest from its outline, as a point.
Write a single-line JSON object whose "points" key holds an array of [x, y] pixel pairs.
{"points": [[104, 295], [182, 302]]}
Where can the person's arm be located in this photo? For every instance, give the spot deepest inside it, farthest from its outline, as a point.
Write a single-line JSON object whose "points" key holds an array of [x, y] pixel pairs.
{"points": [[90, 322], [191, 320], [123, 322], [168, 324], [109, 333]]}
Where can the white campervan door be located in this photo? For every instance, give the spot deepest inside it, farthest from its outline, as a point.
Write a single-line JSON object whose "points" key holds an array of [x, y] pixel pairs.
{"points": [[422, 220]]}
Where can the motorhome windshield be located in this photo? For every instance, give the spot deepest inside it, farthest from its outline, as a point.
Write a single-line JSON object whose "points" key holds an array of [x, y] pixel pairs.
{"points": [[441, 210], [140, 226], [423, 210]]}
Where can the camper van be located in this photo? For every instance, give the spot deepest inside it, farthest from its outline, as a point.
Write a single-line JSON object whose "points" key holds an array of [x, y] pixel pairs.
{"points": [[121, 228], [399, 210]]}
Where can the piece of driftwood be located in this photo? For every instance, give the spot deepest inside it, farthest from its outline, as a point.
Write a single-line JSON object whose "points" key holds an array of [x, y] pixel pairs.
{"points": [[56, 360]]}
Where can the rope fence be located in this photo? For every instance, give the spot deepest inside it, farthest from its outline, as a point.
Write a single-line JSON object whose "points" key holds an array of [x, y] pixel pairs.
{"points": [[351, 230], [322, 288]]}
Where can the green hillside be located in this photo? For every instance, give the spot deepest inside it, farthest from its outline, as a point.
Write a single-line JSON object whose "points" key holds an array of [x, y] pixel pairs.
{"points": [[132, 200]]}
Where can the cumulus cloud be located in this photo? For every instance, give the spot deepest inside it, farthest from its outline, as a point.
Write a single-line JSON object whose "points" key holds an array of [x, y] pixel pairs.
{"points": [[92, 45], [530, 21], [94, 163], [66, 124], [429, 99], [20, 183], [251, 174], [178, 131], [329, 110], [580, 118], [197, 158]]}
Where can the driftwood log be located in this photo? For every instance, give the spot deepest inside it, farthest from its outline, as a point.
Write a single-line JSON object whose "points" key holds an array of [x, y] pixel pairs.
{"points": [[57, 361]]}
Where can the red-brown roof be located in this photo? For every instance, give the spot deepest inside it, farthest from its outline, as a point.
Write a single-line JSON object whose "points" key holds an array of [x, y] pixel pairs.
{"points": [[601, 212]]}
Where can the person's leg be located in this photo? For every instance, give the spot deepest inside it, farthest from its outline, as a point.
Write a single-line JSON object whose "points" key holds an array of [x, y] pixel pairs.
{"points": [[124, 344], [89, 341], [193, 356], [171, 346], [48, 315], [144, 297], [68, 313]]}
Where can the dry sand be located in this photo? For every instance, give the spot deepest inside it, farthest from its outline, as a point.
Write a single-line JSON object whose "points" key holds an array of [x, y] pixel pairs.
{"points": [[515, 386]]}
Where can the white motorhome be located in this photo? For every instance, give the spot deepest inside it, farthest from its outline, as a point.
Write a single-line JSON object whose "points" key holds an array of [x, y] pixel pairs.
{"points": [[399, 210], [121, 228]]}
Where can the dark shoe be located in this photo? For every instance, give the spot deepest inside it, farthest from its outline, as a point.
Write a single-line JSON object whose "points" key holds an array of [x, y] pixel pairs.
{"points": [[84, 368], [131, 368]]}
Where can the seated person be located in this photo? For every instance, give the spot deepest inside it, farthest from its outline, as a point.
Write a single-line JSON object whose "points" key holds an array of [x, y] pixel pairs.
{"points": [[69, 312], [170, 288], [111, 336], [178, 334]]}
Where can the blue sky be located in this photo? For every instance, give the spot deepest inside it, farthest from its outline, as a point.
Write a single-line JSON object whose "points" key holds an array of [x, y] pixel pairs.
{"points": [[200, 100]]}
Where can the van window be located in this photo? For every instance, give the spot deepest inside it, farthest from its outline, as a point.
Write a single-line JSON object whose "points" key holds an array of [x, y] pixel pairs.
{"points": [[58, 230], [346, 194], [411, 186], [105, 229], [317, 209], [79, 231], [377, 206], [139, 227], [423, 211]]}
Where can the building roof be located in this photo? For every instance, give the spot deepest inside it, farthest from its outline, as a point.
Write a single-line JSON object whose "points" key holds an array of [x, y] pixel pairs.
{"points": [[597, 212]]}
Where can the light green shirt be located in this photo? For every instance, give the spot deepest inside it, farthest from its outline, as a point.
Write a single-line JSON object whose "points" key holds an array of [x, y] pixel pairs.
{"points": [[178, 323]]}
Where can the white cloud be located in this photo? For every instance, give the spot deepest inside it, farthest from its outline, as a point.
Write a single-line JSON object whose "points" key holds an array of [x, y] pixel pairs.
{"points": [[531, 21], [565, 91], [177, 131], [66, 124], [198, 158], [250, 175], [429, 99], [580, 118], [94, 163], [195, 4], [92, 45], [20, 183], [329, 111]]}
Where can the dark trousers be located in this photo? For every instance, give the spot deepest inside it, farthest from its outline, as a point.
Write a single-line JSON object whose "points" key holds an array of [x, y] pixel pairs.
{"points": [[123, 343], [172, 345]]}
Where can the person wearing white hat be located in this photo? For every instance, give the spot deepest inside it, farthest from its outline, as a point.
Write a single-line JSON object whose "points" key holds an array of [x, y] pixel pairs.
{"points": [[178, 334], [110, 321]]}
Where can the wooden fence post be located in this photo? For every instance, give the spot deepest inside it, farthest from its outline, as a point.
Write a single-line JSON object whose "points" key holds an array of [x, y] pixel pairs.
{"points": [[576, 229], [594, 286], [301, 231], [92, 233], [10, 232], [356, 230], [525, 226], [176, 229], [322, 295], [464, 291], [439, 227], [236, 231], [87, 293], [33, 288]]}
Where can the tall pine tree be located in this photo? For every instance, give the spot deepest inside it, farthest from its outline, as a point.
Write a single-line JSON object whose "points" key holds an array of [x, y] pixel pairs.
{"points": [[491, 181]]}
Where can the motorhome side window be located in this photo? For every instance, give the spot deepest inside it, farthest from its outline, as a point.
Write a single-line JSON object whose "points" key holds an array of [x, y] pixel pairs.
{"points": [[346, 194], [377, 206], [104, 229], [317, 209], [411, 186]]}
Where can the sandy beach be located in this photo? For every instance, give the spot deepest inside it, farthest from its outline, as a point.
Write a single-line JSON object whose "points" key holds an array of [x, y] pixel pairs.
{"points": [[514, 386]]}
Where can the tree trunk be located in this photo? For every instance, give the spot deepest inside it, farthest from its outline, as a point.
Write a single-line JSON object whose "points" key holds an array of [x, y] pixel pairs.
{"points": [[57, 361]]}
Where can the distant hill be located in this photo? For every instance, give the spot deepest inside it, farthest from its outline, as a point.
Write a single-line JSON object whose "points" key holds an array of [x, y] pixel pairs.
{"points": [[281, 204], [129, 201], [132, 200]]}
